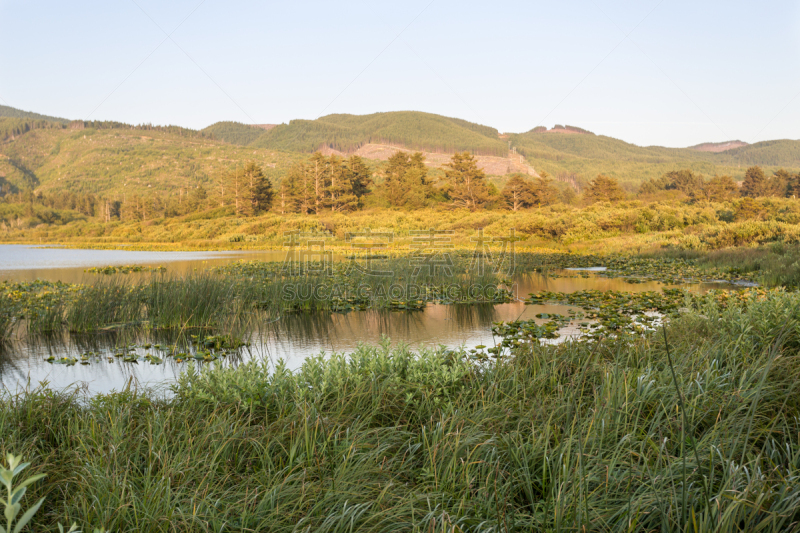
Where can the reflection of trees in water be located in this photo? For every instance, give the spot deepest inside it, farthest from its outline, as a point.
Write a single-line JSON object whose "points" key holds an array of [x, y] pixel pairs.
{"points": [[310, 327], [471, 316]]}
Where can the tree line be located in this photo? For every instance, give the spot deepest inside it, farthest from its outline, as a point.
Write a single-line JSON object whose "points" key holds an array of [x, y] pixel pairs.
{"points": [[343, 184]]}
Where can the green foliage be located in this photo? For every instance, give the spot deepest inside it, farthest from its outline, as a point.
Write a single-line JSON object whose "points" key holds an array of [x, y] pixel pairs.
{"points": [[14, 493], [604, 189], [405, 181], [588, 155], [410, 129], [233, 132], [10, 112], [467, 183], [636, 434]]}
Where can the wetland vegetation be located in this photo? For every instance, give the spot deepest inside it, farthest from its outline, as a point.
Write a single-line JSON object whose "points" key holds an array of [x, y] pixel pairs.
{"points": [[695, 428], [659, 405]]}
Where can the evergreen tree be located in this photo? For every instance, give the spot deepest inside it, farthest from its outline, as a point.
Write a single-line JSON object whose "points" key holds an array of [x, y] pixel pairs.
{"points": [[793, 187], [235, 187], [339, 194], [406, 180], [468, 182], [604, 188], [198, 199], [317, 170], [755, 183], [258, 193], [360, 176], [287, 193], [719, 189], [517, 193], [779, 183], [543, 191]]}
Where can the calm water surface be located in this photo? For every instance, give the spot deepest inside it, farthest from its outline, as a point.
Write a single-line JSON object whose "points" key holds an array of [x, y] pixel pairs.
{"points": [[292, 338]]}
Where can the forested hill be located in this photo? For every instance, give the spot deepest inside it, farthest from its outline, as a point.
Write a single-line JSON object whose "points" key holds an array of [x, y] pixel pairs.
{"points": [[346, 133], [585, 156], [11, 112], [233, 132]]}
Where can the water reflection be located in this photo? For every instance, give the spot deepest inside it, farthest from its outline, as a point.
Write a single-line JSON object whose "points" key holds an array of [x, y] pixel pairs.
{"points": [[292, 338]]}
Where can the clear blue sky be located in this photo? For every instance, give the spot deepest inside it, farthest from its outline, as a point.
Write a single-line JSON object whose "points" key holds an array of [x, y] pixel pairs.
{"points": [[668, 72]]}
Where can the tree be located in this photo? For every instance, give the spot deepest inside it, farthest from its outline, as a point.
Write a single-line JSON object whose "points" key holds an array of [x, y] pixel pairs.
{"points": [[360, 176], [517, 193], [603, 188], [543, 191], [405, 181], [198, 199], [755, 183], [719, 189], [316, 169], [467, 180], [339, 186], [793, 187], [685, 181], [249, 190], [779, 183], [260, 193], [568, 195], [287, 193], [234, 186]]}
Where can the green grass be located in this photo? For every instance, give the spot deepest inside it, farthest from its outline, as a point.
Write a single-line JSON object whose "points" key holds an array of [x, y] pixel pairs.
{"points": [[607, 436], [775, 264]]}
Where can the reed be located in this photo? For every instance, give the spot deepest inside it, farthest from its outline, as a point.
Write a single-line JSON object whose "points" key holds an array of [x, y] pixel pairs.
{"points": [[612, 435]]}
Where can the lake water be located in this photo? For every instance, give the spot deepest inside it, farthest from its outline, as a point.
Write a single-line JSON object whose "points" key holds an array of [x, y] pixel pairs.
{"points": [[291, 338]]}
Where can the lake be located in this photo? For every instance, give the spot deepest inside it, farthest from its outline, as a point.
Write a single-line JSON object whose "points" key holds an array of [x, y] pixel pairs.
{"points": [[291, 338]]}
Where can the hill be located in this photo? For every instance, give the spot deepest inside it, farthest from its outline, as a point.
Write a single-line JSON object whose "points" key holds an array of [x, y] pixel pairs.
{"points": [[234, 132], [11, 112], [115, 158], [582, 157], [718, 147], [120, 161], [410, 129]]}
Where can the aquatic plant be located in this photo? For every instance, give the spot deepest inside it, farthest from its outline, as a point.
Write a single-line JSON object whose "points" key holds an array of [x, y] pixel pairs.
{"points": [[615, 435]]}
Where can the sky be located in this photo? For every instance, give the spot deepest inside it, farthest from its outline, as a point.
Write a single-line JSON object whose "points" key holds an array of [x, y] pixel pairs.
{"points": [[650, 72]]}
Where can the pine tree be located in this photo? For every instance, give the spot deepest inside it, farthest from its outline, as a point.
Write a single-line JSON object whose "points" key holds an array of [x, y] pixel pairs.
{"points": [[603, 188], [360, 176], [468, 183], [517, 193], [236, 186], [287, 193], [543, 191], [719, 189], [793, 187], [318, 167], [197, 199], [755, 183], [339, 194], [406, 180], [258, 191]]}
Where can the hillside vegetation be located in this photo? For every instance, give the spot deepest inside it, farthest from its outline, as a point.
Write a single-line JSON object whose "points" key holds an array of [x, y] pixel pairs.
{"points": [[582, 157], [124, 161], [11, 112], [233, 132], [114, 159], [413, 130]]}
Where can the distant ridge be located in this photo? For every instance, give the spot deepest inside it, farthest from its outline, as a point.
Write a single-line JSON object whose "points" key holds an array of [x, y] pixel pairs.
{"points": [[413, 130], [558, 128], [11, 112], [718, 147]]}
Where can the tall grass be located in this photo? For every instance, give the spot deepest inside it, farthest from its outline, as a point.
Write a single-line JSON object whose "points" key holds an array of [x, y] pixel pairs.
{"points": [[606, 436]]}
